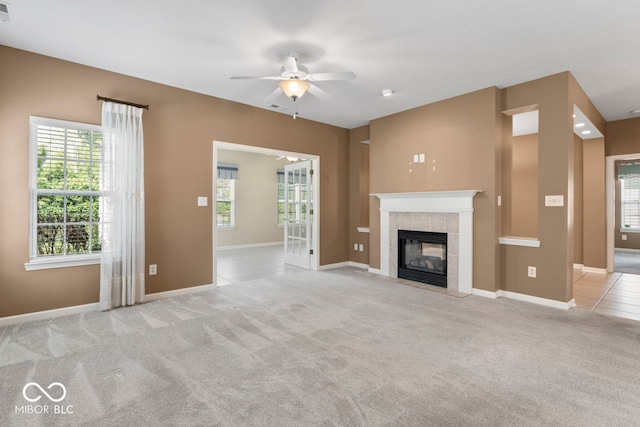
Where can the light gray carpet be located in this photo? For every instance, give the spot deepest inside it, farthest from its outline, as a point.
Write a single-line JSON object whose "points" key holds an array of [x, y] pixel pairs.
{"points": [[627, 262], [331, 348]]}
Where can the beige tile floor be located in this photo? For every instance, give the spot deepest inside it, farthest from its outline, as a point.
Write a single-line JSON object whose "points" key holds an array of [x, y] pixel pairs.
{"points": [[615, 294]]}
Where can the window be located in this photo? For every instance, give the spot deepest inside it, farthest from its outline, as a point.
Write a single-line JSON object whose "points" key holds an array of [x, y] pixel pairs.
{"points": [[225, 195], [66, 160], [630, 203]]}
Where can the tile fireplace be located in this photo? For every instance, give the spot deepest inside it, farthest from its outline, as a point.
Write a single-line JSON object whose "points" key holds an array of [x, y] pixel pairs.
{"points": [[449, 212]]}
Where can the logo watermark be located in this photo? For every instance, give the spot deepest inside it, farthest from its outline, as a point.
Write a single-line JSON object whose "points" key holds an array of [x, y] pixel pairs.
{"points": [[55, 392]]}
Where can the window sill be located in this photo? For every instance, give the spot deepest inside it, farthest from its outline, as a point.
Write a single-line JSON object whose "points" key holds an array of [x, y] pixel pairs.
{"points": [[219, 228], [61, 262], [530, 242], [630, 230]]}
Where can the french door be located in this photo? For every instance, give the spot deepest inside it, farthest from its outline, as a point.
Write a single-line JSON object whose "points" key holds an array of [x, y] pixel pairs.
{"points": [[298, 214]]}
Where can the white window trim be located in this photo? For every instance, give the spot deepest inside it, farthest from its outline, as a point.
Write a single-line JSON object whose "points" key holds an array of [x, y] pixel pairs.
{"points": [[62, 261], [51, 261], [622, 212]]}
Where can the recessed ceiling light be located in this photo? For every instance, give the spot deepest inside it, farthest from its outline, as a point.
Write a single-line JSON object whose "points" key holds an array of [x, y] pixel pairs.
{"points": [[579, 125], [387, 92], [585, 132], [635, 111]]}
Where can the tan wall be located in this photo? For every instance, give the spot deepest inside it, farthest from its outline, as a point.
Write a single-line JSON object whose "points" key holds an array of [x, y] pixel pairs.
{"points": [[179, 130], [524, 186], [554, 258], [459, 139], [359, 194], [578, 227], [256, 199], [623, 137], [594, 213], [594, 224]]}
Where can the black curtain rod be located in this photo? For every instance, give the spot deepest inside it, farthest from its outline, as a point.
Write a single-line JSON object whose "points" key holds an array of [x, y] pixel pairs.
{"points": [[117, 101]]}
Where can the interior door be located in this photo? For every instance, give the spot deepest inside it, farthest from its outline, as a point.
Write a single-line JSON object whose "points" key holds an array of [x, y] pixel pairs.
{"points": [[298, 210]]}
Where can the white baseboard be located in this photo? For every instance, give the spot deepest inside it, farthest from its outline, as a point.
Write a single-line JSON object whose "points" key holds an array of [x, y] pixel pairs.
{"points": [[590, 269], [540, 301], [343, 264], [87, 308], [178, 292], [358, 265], [594, 270], [487, 294], [627, 250], [526, 298], [333, 266], [49, 314], [250, 245], [375, 270]]}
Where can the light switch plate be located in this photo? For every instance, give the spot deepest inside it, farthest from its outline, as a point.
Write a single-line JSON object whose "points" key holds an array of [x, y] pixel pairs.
{"points": [[421, 158], [556, 200], [203, 201], [416, 158]]}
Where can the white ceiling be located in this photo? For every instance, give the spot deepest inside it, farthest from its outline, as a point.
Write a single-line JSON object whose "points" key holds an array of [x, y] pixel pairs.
{"points": [[424, 50]]}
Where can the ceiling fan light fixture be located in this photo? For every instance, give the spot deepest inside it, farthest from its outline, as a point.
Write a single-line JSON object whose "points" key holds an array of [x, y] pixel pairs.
{"points": [[294, 88]]}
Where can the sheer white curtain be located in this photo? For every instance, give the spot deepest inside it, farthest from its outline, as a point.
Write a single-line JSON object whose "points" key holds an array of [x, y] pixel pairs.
{"points": [[122, 265]]}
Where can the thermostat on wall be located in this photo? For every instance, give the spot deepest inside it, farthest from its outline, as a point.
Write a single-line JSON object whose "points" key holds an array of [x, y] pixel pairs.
{"points": [[557, 200]]}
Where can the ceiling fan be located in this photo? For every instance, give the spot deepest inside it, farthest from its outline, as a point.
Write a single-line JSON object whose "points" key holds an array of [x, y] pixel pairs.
{"points": [[295, 79]]}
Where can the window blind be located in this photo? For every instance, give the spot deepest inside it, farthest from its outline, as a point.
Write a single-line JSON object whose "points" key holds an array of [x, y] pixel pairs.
{"points": [[227, 171]]}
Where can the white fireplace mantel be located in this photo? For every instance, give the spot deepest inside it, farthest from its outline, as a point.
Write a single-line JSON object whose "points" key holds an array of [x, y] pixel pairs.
{"points": [[460, 202]]}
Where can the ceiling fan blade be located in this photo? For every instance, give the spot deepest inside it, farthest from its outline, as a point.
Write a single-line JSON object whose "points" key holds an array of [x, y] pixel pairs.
{"points": [[318, 93], [290, 64], [273, 95], [255, 78], [341, 75]]}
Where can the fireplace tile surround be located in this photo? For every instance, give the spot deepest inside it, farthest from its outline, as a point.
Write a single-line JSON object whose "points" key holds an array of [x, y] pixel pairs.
{"points": [[450, 212]]}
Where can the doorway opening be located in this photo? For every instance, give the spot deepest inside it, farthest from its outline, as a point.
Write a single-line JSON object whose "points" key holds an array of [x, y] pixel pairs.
{"points": [[297, 174], [623, 241]]}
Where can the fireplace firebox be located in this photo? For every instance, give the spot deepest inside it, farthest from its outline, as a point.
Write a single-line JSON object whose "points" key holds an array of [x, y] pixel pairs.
{"points": [[422, 257]]}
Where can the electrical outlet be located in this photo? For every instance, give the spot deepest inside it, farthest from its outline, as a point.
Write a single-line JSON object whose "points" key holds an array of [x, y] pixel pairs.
{"points": [[531, 271], [153, 269], [624, 237], [361, 247], [203, 201]]}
